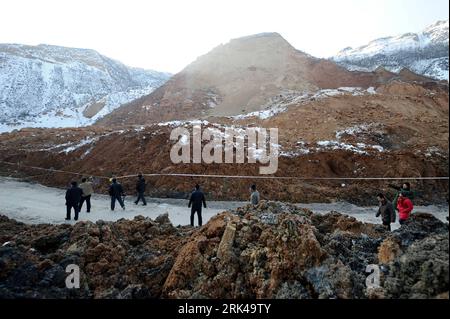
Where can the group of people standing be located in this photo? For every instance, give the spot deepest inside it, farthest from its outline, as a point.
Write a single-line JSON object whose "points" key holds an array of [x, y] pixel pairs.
{"points": [[76, 195], [402, 203]]}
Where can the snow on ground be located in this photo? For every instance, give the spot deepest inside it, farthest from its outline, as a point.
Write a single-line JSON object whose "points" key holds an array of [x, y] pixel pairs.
{"points": [[51, 86], [73, 117], [301, 148], [52, 119], [178, 123], [69, 147], [422, 53], [434, 34], [82, 143], [34, 203], [335, 145], [360, 148], [359, 129], [280, 103]]}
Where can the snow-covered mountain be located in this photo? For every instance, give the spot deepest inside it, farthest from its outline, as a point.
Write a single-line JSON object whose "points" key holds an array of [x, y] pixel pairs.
{"points": [[52, 86], [424, 53]]}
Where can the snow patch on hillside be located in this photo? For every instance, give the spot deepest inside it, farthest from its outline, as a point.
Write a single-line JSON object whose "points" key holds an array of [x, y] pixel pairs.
{"points": [[282, 102], [83, 142], [357, 146]]}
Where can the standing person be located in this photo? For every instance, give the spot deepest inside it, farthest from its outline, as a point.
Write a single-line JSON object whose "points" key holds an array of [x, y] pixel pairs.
{"points": [[404, 207], [386, 210], [73, 198], [254, 195], [140, 189], [406, 189], [88, 190], [196, 200], [116, 192]]}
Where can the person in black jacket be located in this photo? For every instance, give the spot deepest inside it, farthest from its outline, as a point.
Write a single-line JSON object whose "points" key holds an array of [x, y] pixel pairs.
{"points": [[73, 198], [386, 211], [196, 200], [116, 192], [140, 189]]}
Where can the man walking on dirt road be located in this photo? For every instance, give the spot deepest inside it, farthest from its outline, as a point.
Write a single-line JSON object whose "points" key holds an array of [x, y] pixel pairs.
{"points": [[116, 192], [73, 198], [386, 211], [140, 189]]}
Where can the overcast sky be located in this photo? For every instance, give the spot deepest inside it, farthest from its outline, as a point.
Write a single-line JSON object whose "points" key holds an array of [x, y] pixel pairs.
{"points": [[167, 35]]}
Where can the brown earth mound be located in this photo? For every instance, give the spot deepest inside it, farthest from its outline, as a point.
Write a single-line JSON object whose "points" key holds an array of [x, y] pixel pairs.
{"points": [[242, 76]]}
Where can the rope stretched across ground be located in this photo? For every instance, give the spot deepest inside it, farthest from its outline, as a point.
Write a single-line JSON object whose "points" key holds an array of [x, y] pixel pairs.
{"points": [[234, 176]]}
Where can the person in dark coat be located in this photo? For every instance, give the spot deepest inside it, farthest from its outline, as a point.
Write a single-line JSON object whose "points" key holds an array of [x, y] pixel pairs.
{"points": [[116, 192], [140, 189], [254, 195], [196, 200], [73, 198], [386, 211]]}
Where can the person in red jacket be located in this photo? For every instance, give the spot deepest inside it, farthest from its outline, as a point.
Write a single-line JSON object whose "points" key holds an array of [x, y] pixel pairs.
{"points": [[404, 207]]}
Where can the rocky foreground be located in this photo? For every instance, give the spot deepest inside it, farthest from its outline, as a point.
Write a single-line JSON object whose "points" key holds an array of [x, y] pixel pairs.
{"points": [[273, 250]]}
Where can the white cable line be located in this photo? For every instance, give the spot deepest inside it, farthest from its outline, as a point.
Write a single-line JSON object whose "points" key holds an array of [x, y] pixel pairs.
{"points": [[239, 176]]}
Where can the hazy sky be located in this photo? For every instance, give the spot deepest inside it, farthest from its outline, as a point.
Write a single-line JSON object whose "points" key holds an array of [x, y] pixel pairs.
{"points": [[167, 35]]}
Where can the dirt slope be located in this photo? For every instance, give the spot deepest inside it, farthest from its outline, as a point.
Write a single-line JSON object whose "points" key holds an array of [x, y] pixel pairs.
{"points": [[240, 77]]}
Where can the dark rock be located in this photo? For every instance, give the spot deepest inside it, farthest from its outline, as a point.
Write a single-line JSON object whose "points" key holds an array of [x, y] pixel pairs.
{"points": [[51, 242], [422, 271], [271, 250], [419, 226]]}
